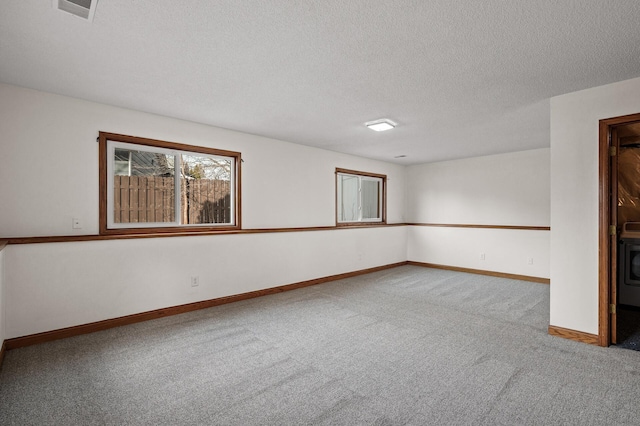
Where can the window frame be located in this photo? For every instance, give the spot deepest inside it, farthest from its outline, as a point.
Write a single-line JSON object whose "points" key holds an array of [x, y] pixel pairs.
{"points": [[162, 147], [383, 198]]}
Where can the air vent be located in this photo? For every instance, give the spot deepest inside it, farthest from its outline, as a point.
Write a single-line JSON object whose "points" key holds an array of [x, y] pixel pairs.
{"points": [[84, 9]]}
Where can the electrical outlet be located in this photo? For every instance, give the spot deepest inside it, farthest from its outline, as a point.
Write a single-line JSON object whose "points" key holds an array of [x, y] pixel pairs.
{"points": [[530, 260], [482, 257], [75, 223], [195, 281]]}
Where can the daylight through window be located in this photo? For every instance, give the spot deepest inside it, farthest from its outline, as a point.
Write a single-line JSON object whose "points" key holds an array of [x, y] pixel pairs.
{"points": [[360, 197], [154, 184]]}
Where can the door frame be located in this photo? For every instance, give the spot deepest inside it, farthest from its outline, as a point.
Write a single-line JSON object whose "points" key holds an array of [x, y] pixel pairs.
{"points": [[606, 250]]}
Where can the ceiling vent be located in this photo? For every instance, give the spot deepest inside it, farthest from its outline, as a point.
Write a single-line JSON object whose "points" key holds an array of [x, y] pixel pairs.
{"points": [[84, 9]]}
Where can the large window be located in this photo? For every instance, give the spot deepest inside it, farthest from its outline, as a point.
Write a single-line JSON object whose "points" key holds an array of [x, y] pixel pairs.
{"points": [[149, 186], [360, 197]]}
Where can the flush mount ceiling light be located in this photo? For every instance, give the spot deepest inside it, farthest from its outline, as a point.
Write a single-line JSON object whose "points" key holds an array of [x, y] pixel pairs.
{"points": [[381, 125], [84, 9]]}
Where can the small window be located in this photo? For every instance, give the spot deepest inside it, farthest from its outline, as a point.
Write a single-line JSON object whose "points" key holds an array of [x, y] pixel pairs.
{"points": [[360, 196], [149, 186]]}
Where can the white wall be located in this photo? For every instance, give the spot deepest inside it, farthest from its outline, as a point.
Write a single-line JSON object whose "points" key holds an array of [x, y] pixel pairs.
{"points": [[49, 151], [51, 286], [49, 175], [507, 189], [574, 198]]}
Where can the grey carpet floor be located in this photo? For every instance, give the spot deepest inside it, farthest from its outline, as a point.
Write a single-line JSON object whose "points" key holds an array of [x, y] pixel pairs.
{"points": [[406, 346]]}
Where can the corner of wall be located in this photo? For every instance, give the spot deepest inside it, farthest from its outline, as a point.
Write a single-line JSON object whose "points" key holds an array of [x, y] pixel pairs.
{"points": [[2, 306]]}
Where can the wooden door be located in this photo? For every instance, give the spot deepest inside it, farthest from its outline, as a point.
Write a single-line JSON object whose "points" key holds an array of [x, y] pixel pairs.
{"points": [[607, 243]]}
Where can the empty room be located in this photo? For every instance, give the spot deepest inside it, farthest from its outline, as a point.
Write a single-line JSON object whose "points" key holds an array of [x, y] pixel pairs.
{"points": [[319, 212]]}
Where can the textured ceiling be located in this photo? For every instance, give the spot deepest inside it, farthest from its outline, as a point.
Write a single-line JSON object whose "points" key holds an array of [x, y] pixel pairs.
{"points": [[462, 78]]}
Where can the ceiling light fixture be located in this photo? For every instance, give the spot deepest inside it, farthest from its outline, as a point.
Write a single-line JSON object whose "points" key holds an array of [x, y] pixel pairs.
{"points": [[381, 125], [84, 9]]}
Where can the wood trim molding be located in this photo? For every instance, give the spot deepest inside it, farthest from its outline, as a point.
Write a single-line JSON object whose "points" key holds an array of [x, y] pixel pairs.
{"points": [[623, 119], [105, 137], [3, 349], [97, 237], [604, 244], [356, 172], [459, 225], [482, 272], [94, 237], [3, 244], [78, 330], [604, 220], [578, 336], [384, 197]]}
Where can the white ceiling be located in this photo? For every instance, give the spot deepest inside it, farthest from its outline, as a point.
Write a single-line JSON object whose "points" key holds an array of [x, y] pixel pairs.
{"points": [[462, 78]]}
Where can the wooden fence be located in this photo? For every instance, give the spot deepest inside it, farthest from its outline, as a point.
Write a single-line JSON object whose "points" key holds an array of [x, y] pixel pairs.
{"points": [[143, 199]]}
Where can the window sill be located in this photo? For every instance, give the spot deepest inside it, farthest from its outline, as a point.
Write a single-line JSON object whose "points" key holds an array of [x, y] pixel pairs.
{"points": [[167, 230], [359, 224]]}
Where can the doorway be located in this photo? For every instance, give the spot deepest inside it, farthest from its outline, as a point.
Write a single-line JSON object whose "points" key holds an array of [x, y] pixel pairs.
{"points": [[619, 234]]}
